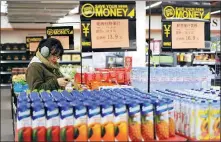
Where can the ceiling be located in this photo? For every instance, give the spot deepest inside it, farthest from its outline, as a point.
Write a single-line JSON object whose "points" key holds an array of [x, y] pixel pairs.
{"points": [[38, 11]]}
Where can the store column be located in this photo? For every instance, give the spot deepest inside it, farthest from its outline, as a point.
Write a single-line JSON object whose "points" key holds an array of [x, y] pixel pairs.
{"points": [[139, 55]]}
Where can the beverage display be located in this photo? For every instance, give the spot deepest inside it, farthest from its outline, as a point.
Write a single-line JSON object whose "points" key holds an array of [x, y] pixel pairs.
{"points": [[119, 113]]}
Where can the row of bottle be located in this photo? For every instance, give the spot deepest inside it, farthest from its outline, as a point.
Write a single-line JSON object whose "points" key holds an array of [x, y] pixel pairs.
{"points": [[111, 114]]}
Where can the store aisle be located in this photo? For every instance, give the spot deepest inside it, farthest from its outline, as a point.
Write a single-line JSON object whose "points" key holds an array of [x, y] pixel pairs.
{"points": [[6, 120]]}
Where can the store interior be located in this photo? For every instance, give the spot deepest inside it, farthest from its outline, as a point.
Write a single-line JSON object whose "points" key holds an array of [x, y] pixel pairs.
{"points": [[157, 61]]}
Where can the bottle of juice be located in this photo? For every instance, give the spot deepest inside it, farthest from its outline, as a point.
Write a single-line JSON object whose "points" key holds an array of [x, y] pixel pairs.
{"points": [[38, 122], [192, 114], [24, 123], [46, 96], [23, 97], [57, 96], [94, 121], [66, 121], [172, 127], [34, 97], [80, 123], [147, 123], [134, 120], [202, 120], [214, 118], [120, 121], [52, 121], [107, 121], [161, 120], [67, 96]]}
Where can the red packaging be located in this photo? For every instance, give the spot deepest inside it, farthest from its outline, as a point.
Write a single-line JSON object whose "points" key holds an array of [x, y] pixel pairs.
{"points": [[97, 76], [128, 62], [127, 77], [120, 77], [78, 77], [89, 77], [112, 75], [105, 76]]}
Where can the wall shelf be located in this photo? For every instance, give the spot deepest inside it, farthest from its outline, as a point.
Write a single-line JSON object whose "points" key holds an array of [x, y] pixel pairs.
{"points": [[3, 52]]}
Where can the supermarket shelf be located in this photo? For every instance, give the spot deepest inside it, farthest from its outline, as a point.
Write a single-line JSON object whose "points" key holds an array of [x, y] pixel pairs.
{"points": [[203, 63], [72, 51], [69, 62], [5, 85], [13, 52], [211, 52], [11, 61], [5, 72]]}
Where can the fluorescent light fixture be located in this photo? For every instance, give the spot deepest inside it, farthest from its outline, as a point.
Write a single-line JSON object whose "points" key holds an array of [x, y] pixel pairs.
{"points": [[214, 12], [154, 5], [4, 7], [74, 11]]}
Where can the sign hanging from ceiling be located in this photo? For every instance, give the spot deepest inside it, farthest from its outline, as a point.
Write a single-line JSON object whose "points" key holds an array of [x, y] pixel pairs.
{"points": [[188, 35], [65, 34], [108, 26], [32, 42], [171, 12], [107, 10]]}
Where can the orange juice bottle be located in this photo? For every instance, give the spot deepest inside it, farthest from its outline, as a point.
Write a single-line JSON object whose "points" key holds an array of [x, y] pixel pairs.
{"points": [[94, 121], [120, 121], [80, 123], [107, 121]]}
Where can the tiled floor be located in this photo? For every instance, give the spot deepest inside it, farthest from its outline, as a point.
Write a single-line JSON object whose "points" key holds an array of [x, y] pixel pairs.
{"points": [[6, 118]]}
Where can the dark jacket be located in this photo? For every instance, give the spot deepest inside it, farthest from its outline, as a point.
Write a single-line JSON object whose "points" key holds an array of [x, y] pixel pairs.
{"points": [[39, 76]]}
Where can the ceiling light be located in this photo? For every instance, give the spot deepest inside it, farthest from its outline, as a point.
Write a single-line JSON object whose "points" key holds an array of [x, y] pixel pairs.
{"points": [[214, 12], [154, 5], [74, 11]]}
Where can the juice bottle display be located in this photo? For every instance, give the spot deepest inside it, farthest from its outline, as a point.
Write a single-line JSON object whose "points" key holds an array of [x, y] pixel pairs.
{"points": [[161, 120], [172, 127], [94, 121], [52, 121], [38, 122], [214, 118], [107, 121], [120, 121], [202, 120], [24, 126], [80, 123], [147, 123], [134, 120], [66, 121]]}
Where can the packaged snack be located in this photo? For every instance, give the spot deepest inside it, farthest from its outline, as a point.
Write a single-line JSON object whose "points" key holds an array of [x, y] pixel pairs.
{"points": [[24, 123], [52, 121], [80, 123], [66, 121], [38, 122]]}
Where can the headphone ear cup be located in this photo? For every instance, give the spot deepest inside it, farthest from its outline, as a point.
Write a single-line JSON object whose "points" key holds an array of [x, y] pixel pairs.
{"points": [[45, 51]]}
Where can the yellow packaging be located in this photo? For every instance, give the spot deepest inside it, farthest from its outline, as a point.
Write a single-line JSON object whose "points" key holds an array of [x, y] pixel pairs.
{"points": [[214, 119]]}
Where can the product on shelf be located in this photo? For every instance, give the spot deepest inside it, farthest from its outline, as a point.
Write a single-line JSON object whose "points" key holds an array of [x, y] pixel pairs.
{"points": [[172, 77], [18, 80], [197, 113], [69, 71], [113, 113]]}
